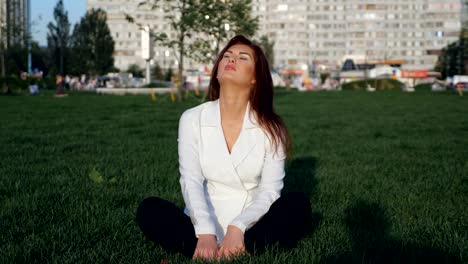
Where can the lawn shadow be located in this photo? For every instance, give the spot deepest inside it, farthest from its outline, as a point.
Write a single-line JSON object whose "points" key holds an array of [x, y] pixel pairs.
{"points": [[300, 177], [368, 230]]}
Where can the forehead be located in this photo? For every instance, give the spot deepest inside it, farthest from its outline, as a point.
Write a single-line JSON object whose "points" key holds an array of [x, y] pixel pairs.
{"points": [[238, 48]]}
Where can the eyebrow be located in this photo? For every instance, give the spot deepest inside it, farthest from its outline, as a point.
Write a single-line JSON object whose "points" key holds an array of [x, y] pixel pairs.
{"points": [[242, 52]]}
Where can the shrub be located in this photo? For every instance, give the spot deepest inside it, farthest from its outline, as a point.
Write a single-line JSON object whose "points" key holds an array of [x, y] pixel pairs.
{"points": [[379, 84]]}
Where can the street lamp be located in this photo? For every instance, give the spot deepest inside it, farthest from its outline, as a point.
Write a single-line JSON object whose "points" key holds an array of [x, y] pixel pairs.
{"points": [[147, 50]]}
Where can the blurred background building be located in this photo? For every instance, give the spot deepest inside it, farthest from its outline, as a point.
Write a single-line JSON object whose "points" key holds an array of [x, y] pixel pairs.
{"points": [[327, 31], [319, 32], [14, 21], [127, 36]]}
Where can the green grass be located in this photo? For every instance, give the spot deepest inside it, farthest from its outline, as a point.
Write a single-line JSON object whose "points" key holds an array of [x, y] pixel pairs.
{"points": [[387, 175]]}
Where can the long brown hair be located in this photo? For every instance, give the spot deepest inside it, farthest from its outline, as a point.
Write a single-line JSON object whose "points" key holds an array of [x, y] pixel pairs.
{"points": [[261, 95]]}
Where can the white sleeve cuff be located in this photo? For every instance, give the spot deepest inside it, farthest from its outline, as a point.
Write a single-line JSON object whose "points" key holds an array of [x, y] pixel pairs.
{"points": [[239, 225], [204, 230]]}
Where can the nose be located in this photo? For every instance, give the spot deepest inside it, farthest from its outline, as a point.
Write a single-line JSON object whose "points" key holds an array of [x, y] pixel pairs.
{"points": [[232, 59]]}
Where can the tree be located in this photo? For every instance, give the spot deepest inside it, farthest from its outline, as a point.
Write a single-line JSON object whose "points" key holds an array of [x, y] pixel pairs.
{"points": [[3, 30], [58, 37], [182, 16], [206, 17], [135, 70], [453, 59], [220, 20], [168, 75], [156, 72], [92, 45]]}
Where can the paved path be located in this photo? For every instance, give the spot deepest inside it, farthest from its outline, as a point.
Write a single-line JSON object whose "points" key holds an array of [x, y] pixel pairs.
{"points": [[121, 91]]}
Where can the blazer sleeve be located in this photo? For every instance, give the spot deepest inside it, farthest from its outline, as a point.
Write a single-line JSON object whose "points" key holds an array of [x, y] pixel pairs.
{"points": [[191, 176], [269, 189]]}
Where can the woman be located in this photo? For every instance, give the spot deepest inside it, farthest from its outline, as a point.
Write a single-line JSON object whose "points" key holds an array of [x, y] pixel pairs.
{"points": [[232, 151]]}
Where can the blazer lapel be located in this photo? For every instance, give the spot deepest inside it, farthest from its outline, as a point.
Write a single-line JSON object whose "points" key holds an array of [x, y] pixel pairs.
{"points": [[247, 140], [214, 144]]}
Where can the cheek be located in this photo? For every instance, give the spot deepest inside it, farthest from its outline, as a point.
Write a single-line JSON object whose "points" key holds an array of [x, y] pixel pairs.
{"points": [[249, 71], [221, 65]]}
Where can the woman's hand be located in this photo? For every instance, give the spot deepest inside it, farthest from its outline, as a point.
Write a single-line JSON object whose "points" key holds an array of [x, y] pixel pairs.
{"points": [[233, 243], [207, 247]]}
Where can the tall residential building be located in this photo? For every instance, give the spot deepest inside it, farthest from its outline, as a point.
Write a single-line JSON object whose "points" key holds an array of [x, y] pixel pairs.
{"points": [[14, 21], [127, 36], [314, 32], [326, 31]]}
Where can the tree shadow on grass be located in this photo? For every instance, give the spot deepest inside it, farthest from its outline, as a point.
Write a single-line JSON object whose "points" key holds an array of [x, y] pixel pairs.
{"points": [[300, 177], [368, 229]]}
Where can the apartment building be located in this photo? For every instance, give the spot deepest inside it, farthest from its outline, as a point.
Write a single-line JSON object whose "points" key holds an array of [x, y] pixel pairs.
{"points": [[127, 36], [13, 21], [327, 31], [314, 32]]}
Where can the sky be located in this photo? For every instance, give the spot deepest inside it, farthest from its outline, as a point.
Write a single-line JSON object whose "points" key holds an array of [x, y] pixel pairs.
{"points": [[42, 12]]}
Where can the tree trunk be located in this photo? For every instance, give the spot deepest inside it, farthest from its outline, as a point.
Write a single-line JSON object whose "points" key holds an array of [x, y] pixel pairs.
{"points": [[5, 88], [181, 68], [61, 60]]}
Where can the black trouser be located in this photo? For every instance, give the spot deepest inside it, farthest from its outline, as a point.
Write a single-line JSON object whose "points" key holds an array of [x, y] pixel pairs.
{"points": [[283, 225]]}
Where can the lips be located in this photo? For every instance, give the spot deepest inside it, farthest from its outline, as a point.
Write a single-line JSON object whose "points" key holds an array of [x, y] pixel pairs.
{"points": [[230, 68]]}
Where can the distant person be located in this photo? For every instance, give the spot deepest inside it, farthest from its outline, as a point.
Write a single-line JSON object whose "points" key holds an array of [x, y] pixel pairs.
{"points": [[232, 153], [459, 87], [33, 87], [288, 82], [60, 86]]}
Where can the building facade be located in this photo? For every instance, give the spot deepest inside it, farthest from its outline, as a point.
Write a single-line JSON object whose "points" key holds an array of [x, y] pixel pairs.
{"points": [[14, 22], [127, 36], [314, 32], [327, 31]]}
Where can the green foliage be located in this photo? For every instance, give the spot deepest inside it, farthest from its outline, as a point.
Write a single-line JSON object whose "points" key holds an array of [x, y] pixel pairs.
{"points": [[181, 16], [379, 84], [58, 38], [213, 16], [386, 174], [157, 84], [15, 84], [454, 58], [206, 17], [323, 77], [135, 70], [168, 75], [92, 45], [156, 72], [15, 60], [20, 86]]}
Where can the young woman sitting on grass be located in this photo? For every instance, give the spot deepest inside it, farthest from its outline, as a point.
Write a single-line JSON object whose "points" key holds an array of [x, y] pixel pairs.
{"points": [[232, 152]]}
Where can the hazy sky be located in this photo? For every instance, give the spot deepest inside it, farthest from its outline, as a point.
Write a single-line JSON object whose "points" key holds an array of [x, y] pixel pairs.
{"points": [[42, 12]]}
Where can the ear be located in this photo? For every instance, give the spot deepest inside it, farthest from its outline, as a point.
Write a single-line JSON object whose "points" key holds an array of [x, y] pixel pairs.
{"points": [[253, 82]]}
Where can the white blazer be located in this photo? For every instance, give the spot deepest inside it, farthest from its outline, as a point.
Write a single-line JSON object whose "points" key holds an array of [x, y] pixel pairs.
{"points": [[219, 188]]}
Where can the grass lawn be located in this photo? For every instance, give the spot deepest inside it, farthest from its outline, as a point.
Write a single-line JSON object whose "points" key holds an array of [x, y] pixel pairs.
{"points": [[386, 172]]}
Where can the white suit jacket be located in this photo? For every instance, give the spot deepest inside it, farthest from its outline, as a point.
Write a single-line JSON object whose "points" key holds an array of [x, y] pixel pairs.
{"points": [[220, 188]]}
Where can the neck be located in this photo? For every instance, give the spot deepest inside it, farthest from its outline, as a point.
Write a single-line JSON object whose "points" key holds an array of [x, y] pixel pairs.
{"points": [[232, 104]]}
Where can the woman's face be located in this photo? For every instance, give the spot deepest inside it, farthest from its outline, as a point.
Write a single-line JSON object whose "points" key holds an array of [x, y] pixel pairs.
{"points": [[237, 66]]}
